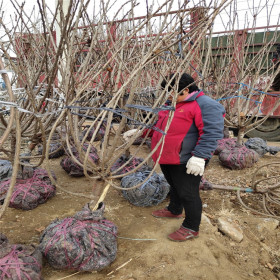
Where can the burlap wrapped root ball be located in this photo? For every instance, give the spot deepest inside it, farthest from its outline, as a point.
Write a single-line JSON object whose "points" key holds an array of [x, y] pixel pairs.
{"points": [[140, 140], [238, 157], [19, 262], [84, 242], [6, 169], [29, 193], [88, 132], [151, 193], [225, 143], [260, 146], [56, 150], [125, 164], [72, 167]]}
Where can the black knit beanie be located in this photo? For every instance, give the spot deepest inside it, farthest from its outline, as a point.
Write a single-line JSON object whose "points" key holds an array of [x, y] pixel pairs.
{"points": [[185, 81]]}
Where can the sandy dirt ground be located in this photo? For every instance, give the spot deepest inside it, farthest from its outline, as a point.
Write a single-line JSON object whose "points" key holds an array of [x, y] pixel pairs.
{"points": [[144, 252]]}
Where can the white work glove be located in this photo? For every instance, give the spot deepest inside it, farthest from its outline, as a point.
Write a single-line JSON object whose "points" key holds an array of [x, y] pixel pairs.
{"points": [[195, 166], [128, 134]]}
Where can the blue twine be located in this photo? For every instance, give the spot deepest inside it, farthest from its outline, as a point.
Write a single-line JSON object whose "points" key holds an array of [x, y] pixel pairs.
{"points": [[150, 109], [152, 192], [131, 120], [239, 96]]}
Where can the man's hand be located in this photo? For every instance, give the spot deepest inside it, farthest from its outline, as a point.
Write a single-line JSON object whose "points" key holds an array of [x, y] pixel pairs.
{"points": [[195, 166], [128, 134]]}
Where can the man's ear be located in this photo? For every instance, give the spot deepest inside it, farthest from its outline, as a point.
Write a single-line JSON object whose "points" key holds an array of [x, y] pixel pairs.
{"points": [[186, 90]]}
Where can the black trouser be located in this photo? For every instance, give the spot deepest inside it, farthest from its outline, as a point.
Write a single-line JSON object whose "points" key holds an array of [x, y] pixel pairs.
{"points": [[184, 193]]}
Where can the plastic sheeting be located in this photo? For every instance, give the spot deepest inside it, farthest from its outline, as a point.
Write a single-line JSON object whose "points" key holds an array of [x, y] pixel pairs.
{"points": [[260, 146], [6, 169]]}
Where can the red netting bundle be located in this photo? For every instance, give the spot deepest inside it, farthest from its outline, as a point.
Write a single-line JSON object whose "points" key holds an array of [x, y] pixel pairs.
{"points": [[150, 193], [56, 150], [84, 242], [29, 193], [238, 157], [19, 262], [73, 168], [225, 143], [99, 135], [130, 164]]}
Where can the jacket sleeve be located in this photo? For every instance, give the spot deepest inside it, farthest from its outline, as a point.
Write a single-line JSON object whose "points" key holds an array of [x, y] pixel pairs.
{"points": [[209, 120]]}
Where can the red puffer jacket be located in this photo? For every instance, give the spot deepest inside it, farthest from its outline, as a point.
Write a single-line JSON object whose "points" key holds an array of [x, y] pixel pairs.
{"points": [[197, 125]]}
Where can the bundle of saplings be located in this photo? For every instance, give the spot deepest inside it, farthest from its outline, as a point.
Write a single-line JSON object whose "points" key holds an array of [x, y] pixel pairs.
{"points": [[56, 150], [125, 164], [225, 143], [260, 146], [29, 193], [84, 242], [150, 193], [72, 167], [238, 157], [90, 131], [19, 262]]}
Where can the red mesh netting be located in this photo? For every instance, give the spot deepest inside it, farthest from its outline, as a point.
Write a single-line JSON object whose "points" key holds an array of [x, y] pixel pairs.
{"points": [[19, 262], [99, 135], [131, 164], [85, 242], [238, 157], [74, 169], [29, 193], [225, 143]]}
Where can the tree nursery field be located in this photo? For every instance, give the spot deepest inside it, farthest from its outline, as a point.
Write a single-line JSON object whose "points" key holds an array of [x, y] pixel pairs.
{"points": [[144, 252]]}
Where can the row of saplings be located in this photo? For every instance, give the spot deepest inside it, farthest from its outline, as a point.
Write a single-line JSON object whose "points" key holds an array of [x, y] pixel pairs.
{"points": [[87, 241]]}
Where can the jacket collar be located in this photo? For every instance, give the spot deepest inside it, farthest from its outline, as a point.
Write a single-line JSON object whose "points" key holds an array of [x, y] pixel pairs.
{"points": [[192, 96]]}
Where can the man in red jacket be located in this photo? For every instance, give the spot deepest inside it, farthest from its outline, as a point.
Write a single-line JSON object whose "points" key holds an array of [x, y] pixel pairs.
{"points": [[189, 143]]}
